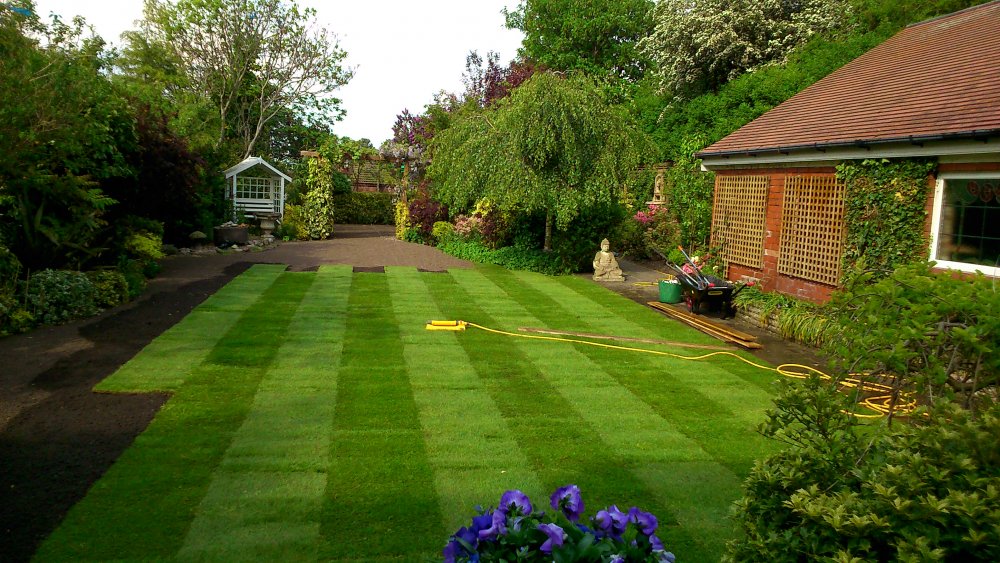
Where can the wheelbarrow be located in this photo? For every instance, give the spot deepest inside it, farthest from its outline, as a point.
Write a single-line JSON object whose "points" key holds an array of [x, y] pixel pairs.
{"points": [[703, 292]]}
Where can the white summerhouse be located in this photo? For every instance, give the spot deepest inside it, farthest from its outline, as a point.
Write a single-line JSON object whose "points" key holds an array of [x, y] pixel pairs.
{"points": [[256, 187]]}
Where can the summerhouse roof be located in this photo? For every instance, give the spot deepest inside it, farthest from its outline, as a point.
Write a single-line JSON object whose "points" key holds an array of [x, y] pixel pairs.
{"points": [[252, 161], [938, 80]]}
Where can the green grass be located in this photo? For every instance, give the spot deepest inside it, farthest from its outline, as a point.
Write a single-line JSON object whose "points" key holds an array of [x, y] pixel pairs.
{"points": [[313, 418]]}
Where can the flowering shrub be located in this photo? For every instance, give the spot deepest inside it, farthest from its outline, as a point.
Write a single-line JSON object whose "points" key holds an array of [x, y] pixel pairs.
{"points": [[659, 229], [515, 532], [467, 227]]}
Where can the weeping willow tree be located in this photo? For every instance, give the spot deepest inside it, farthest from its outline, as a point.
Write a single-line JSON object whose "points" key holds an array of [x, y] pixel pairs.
{"points": [[553, 146]]}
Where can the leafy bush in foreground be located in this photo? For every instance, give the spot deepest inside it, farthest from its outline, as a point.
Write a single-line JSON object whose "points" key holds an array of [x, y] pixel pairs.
{"points": [[935, 333], [928, 490]]}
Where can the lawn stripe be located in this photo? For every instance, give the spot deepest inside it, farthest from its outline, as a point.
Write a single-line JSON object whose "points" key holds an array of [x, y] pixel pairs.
{"points": [[613, 301], [264, 500], [589, 378], [148, 498], [719, 401], [719, 381], [561, 442], [582, 381], [168, 360], [380, 499], [472, 450]]}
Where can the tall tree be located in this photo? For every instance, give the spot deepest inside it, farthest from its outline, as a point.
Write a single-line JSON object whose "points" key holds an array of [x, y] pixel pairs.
{"points": [[698, 45], [599, 37], [553, 146], [253, 59], [62, 130]]}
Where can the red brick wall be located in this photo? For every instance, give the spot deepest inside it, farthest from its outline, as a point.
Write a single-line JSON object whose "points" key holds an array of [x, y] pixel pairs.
{"points": [[768, 276]]}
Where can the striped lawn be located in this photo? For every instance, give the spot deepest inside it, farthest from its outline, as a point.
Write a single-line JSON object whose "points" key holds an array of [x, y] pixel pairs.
{"points": [[313, 418]]}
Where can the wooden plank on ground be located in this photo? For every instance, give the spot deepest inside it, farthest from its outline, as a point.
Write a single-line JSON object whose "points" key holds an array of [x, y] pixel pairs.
{"points": [[724, 333]]}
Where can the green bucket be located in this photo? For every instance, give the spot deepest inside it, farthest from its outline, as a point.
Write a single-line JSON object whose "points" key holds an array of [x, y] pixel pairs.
{"points": [[670, 292]]}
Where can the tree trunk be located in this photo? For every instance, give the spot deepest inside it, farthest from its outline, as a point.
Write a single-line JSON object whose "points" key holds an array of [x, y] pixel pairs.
{"points": [[547, 247]]}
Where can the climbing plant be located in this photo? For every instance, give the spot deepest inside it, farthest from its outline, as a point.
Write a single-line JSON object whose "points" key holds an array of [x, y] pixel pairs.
{"points": [[884, 212], [318, 208]]}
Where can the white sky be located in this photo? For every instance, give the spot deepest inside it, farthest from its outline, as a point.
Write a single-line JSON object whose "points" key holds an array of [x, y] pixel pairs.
{"points": [[402, 51]]}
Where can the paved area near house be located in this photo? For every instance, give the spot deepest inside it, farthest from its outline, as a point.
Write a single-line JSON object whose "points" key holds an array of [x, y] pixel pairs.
{"points": [[57, 437]]}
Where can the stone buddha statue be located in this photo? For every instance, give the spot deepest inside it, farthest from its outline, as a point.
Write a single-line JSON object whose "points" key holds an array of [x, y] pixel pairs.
{"points": [[605, 265]]}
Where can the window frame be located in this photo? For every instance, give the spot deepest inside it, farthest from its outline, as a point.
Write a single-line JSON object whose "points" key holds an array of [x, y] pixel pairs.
{"points": [[939, 185]]}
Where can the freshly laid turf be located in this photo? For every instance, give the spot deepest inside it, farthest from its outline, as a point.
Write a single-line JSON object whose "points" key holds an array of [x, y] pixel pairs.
{"points": [[313, 418]]}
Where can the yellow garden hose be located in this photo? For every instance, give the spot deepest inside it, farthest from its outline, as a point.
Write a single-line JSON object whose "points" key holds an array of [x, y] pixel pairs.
{"points": [[880, 401]]}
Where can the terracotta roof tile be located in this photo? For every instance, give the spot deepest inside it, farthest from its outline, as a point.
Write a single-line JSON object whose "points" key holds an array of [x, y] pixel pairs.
{"points": [[938, 77]]}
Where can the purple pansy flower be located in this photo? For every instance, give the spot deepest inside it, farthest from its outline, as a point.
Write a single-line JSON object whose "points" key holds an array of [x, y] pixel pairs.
{"points": [[498, 527], [515, 500], [468, 535], [617, 559], [656, 543], [556, 537], [644, 520], [481, 522], [452, 550], [611, 521], [568, 500]]}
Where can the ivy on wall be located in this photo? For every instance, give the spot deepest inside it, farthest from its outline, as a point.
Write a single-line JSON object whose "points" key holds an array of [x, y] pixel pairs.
{"points": [[885, 213]]}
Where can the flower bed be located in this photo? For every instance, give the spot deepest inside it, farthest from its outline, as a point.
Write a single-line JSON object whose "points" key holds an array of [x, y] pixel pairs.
{"points": [[515, 532]]}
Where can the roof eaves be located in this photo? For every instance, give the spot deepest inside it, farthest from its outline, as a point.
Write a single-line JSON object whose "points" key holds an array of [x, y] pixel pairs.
{"points": [[977, 134]]}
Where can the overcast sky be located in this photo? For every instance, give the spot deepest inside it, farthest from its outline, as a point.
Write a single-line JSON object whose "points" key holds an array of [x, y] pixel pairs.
{"points": [[402, 51]]}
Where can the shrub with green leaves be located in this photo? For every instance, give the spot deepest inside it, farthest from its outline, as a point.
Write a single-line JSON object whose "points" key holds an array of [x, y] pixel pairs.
{"points": [[10, 268], [363, 208], [511, 257], [13, 317], [292, 224], [927, 490], [110, 288], [144, 245], [57, 296], [934, 332], [442, 230], [135, 276]]}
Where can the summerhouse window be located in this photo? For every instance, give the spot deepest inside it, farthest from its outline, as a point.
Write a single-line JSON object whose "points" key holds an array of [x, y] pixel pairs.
{"points": [[253, 188], [966, 225]]}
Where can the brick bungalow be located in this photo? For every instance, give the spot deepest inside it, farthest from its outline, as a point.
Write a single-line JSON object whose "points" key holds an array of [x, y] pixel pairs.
{"points": [[931, 91]]}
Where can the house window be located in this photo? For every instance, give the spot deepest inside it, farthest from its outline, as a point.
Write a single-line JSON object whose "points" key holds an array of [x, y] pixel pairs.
{"points": [[738, 217], [253, 188], [966, 225], [812, 228]]}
